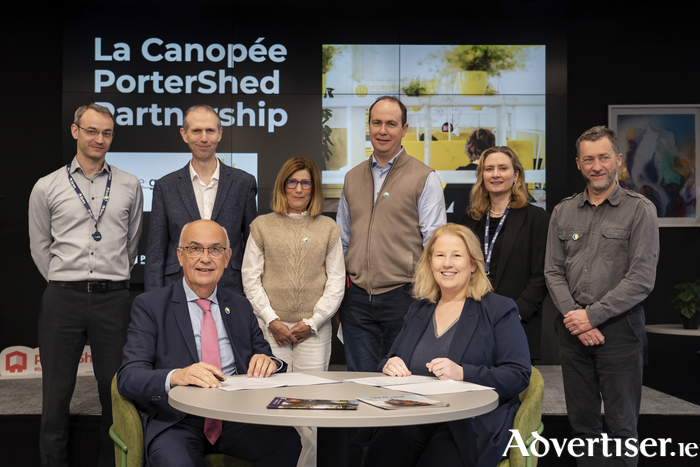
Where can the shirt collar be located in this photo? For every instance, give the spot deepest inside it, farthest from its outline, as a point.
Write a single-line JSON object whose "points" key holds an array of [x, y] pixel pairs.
{"points": [[191, 296], [388, 164], [75, 166], [613, 198], [294, 215], [195, 176]]}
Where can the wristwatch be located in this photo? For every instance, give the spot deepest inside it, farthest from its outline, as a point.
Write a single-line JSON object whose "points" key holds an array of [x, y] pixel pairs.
{"points": [[310, 324]]}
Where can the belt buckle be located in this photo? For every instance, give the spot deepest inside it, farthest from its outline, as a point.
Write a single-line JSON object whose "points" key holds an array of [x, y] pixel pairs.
{"points": [[97, 286]]}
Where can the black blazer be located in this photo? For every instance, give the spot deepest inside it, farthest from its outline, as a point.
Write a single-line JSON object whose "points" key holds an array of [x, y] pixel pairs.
{"points": [[161, 339], [520, 274], [490, 346]]}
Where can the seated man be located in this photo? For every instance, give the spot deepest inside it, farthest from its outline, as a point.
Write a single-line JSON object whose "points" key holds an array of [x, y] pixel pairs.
{"points": [[172, 341]]}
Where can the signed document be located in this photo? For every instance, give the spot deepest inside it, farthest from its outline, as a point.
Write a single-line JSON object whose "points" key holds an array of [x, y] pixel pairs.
{"points": [[278, 380], [423, 385]]}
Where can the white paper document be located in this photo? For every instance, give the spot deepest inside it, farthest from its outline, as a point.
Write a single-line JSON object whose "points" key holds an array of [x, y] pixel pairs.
{"points": [[423, 385], [278, 380]]}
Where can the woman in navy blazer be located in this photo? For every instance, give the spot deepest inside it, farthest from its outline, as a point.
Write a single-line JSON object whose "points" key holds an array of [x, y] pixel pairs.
{"points": [[516, 269], [459, 330]]}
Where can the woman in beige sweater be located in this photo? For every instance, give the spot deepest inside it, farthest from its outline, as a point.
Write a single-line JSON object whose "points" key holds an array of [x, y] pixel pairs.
{"points": [[293, 274]]}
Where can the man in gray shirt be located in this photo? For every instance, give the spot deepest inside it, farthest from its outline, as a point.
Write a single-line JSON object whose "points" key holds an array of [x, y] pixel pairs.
{"points": [[602, 251], [84, 229]]}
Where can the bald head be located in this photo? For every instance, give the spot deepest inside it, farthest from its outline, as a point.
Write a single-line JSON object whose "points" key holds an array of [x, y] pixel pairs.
{"points": [[204, 254]]}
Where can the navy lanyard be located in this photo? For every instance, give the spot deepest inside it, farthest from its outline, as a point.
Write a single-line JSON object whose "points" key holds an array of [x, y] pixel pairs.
{"points": [[97, 235], [488, 248]]}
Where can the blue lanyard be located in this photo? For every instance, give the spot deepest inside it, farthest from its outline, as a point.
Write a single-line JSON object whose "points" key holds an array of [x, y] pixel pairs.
{"points": [[97, 235], [488, 248]]}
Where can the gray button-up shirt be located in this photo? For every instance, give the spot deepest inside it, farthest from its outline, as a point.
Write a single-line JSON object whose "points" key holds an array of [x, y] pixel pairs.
{"points": [[602, 258], [60, 228]]}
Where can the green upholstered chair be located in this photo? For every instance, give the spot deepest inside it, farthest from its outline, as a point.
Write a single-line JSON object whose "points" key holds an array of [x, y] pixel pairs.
{"points": [[127, 434], [528, 419]]}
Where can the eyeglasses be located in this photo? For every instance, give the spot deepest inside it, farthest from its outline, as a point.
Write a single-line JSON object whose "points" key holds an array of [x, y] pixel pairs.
{"points": [[107, 133], [196, 251], [305, 184]]}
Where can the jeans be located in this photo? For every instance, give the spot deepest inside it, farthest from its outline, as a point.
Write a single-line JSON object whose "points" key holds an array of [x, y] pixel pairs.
{"points": [[613, 370], [371, 324]]}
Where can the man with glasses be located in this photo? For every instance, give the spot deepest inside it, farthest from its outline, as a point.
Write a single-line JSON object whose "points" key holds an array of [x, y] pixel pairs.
{"points": [[84, 228], [193, 332], [203, 189]]}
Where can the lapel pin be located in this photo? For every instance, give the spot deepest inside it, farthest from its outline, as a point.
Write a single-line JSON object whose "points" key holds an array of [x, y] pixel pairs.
{"points": [[227, 310], [305, 239], [575, 237], [386, 194]]}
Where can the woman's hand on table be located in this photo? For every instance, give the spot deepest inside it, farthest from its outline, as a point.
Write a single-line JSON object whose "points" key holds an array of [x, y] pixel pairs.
{"points": [[444, 368], [281, 333], [396, 367]]}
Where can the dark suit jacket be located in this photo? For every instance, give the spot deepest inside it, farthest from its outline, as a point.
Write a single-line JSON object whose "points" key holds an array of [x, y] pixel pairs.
{"points": [[490, 345], [520, 274], [174, 205], [160, 339]]}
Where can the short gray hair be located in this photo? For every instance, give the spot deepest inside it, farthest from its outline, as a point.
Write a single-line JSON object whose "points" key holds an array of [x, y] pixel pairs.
{"points": [[182, 234], [96, 107], [596, 133]]}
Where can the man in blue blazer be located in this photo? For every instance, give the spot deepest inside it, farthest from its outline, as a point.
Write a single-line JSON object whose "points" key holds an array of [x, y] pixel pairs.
{"points": [[169, 340], [203, 189]]}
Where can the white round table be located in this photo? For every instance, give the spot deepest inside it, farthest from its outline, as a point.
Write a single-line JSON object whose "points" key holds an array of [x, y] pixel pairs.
{"points": [[250, 406]]}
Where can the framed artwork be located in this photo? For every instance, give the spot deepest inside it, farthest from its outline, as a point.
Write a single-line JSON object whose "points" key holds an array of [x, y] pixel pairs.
{"points": [[659, 145]]}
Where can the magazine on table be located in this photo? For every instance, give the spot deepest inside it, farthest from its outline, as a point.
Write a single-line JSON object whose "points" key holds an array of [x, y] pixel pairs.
{"points": [[398, 402], [317, 404]]}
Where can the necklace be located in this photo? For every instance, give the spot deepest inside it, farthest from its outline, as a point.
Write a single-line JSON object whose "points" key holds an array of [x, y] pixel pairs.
{"points": [[496, 213]]}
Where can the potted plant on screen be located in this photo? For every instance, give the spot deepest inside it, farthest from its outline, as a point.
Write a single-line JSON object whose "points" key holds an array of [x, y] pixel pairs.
{"points": [[476, 63], [419, 87], [687, 301]]}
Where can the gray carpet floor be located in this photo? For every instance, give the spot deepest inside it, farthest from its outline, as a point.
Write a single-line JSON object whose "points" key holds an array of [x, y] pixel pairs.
{"points": [[23, 397]]}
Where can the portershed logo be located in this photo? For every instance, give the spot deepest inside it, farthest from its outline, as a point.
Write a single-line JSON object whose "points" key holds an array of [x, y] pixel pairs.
{"points": [[24, 362]]}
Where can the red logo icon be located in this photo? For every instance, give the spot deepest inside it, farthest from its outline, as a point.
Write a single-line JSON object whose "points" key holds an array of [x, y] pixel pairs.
{"points": [[16, 362]]}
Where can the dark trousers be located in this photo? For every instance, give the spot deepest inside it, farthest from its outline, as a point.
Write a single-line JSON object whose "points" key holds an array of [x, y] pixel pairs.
{"points": [[185, 445], [418, 445], [371, 326], [68, 318], [613, 370]]}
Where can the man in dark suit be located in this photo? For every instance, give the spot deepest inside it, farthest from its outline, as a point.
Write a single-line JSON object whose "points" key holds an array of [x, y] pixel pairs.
{"points": [[203, 189], [172, 335]]}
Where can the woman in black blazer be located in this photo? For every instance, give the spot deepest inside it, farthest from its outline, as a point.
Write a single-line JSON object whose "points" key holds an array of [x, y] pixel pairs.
{"points": [[516, 265]]}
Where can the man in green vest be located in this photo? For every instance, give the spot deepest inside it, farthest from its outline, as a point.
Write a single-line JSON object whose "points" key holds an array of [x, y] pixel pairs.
{"points": [[389, 207]]}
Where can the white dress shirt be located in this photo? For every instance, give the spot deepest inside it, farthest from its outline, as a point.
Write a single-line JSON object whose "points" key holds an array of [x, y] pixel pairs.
{"points": [[205, 194]]}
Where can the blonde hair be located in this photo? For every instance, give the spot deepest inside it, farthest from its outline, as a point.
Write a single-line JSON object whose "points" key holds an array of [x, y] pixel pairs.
{"points": [[279, 202], [480, 200], [425, 285]]}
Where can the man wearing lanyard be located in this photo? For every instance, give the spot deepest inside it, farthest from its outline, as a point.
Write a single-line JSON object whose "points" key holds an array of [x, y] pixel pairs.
{"points": [[84, 228], [389, 207]]}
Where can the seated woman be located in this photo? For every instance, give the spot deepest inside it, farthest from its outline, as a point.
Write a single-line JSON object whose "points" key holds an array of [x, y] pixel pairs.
{"points": [[294, 276], [513, 233], [460, 330]]}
